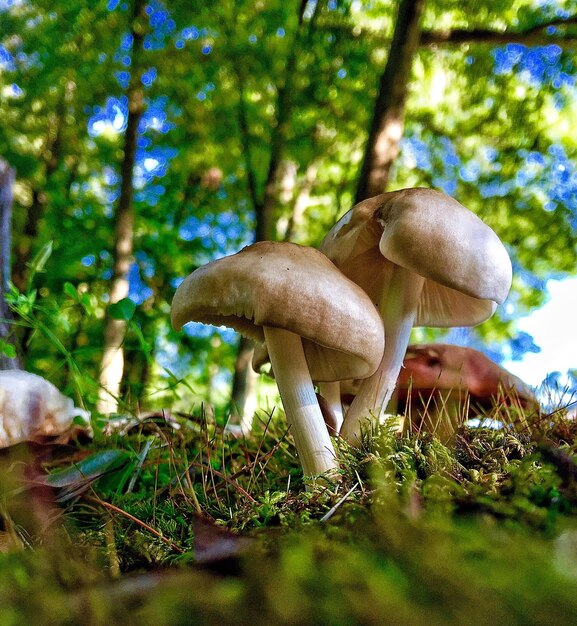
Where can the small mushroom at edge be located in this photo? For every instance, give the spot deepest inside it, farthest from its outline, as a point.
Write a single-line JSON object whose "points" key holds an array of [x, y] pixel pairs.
{"points": [[33, 409]]}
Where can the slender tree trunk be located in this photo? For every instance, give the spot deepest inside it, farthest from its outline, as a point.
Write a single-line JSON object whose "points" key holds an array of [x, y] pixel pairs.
{"points": [[296, 219], [112, 365], [244, 379], [243, 387], [51, 158], [388, 117], [6, 199]]}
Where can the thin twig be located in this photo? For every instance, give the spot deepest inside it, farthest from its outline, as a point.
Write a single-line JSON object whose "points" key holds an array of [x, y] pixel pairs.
{"points": [[332, 511], [224, 477], [156, 533], [249, 466]]}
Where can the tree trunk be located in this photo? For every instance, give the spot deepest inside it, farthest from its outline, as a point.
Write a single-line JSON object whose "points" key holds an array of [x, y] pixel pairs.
{"points": [[295, 222], [382, 147], [243, 376], [6, 198], [388, 117], [51, 157], [243, 387], [112, 365], [244, 379]]}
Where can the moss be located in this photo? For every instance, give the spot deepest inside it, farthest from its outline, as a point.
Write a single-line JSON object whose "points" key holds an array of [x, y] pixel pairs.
{"points": [[414, 531]]}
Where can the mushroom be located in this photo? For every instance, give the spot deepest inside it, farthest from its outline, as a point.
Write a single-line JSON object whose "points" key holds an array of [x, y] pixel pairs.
{"points": [[425, 260], [441, 386], [33, 409], [308, 313]]}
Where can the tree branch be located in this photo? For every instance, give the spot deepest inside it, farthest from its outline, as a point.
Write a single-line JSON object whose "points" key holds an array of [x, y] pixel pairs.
{"points": [[534, 36]]}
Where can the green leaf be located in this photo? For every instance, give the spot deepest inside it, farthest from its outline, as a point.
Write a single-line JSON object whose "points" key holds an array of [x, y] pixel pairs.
{"points": [[122, 310], [70, 291], [88, 303], [38, 263], [7, 349], [89, 469]]}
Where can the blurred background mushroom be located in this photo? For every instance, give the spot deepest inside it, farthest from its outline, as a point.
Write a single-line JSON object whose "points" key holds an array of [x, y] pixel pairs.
{"points": [[441, 386], [33, 409]]}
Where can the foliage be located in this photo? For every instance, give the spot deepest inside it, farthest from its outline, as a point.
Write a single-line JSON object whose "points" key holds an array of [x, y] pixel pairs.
{"points": [[490, 123]]}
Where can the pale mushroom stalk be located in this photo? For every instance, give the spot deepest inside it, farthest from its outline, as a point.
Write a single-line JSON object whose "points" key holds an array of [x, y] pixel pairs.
{"points": [[331, 392], [301, 407], [398, 307]]}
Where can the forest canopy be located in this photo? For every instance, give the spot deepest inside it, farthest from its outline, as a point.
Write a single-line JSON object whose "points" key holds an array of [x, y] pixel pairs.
{"points": [[148, 138]]}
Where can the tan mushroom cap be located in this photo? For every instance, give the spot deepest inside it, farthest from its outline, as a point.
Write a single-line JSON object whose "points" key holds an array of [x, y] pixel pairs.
{"points": [[296, 288], [466, 267]]}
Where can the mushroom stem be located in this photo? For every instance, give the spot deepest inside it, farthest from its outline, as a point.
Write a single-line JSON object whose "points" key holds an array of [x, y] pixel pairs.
{"points": [[331, 392], [300, 403], [398, 307]]}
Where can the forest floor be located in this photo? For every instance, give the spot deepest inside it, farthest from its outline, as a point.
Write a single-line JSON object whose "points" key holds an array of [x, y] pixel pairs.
{"points": [[168, 521]]}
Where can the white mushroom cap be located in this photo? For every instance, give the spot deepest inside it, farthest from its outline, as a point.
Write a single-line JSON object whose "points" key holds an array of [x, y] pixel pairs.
{"points": [[466, 267], [290, 287], [32, 408]]}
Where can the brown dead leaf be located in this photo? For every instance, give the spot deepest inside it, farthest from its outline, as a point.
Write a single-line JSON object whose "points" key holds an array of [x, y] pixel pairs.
{"points": [[215, 545]]}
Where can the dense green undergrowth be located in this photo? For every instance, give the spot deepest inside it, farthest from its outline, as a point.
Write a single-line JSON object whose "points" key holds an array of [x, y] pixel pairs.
{"points": [[168, 521]]}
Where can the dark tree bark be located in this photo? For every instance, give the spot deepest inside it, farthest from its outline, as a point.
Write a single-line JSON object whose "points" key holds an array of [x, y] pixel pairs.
{"points": [[537, 35], [389, 113], [112, 364], [6, 198], [50, 160]]}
